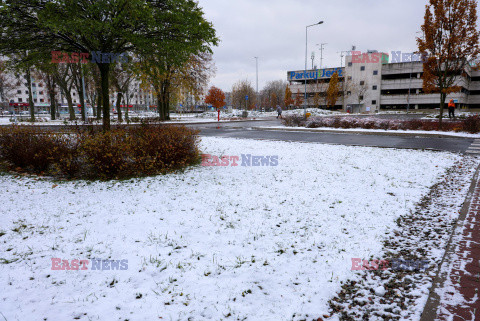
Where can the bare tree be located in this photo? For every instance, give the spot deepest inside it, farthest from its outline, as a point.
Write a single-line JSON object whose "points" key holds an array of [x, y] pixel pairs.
{"points": [[8, 84], [273, 93], [359, 91], [65, 80], [240, 90], [122, 77]]}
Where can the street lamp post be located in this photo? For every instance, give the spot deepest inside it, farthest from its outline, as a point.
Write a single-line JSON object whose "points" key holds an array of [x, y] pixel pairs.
{"points": [[256, 59], [305, 71]]}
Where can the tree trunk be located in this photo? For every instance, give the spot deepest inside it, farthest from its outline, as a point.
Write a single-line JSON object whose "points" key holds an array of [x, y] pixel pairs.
{"points": [[30, 96], [71, 110], [443, 97], [104, 74], [82, 98], [119, 109], [160, 109], [164, 102], [99, 104], [51, 93], [93, 98], [128, 106]]}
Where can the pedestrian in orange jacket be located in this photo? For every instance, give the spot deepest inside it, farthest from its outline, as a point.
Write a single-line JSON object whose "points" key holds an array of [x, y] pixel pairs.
{"points": [[451, 109]]}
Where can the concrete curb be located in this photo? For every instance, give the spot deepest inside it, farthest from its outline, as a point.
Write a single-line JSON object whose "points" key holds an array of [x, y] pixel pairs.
{"points": [[386, 133], [433, 302]]}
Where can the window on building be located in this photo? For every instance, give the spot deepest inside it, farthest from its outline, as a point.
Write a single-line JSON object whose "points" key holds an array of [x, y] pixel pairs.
{"points": [[41, 93], [73, 94], [361, 97], [374, 88], [34, 84], [19, 91], [362, 83], [40, 85], [349, 64], [374, 102], [362, 68], [42, 100], [26, 92], [20, 100], [349, 78], [375, 72], [349, 92], [35, 100]]}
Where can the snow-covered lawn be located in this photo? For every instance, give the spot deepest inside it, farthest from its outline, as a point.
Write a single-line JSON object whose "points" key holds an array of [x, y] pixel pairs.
{"points": [[257, 114], [232, 243]]}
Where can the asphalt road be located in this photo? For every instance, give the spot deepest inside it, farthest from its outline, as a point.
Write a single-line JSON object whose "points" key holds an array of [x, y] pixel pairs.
{"points": [[244, 130]]}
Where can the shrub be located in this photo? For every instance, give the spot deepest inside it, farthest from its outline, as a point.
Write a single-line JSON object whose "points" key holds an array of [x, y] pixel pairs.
{"points": [[140, 151], [336, 122], [382, 124], [368, 124], [414, 124], [293, 120], [430, 125], [472, 124], [106, 153], [26, 147], [66, 155], [316, 122], [163, 148]]}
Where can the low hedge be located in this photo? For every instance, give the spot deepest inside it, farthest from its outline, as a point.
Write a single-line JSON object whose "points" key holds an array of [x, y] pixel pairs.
{"points": [[470, 124], [119, 153]]}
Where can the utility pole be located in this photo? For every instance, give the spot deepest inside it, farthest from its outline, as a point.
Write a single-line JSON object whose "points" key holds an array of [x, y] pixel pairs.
{"points": [[321, 53], [256, 104], [305, 71]]}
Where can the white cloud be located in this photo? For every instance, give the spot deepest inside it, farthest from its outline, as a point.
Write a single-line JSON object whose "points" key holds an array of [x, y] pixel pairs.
{"points": [[275, 32]]}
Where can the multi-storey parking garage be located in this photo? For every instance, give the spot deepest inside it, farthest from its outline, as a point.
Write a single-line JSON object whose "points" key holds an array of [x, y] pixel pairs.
{"points": [[369, 85]]}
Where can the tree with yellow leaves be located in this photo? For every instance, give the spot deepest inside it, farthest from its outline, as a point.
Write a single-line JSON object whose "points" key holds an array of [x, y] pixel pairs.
{"points": [[288, 97], [332, 91]]}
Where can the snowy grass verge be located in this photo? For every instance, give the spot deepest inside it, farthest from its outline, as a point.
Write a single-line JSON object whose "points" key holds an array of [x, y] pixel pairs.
{"points": [[379, 131], [246, 243], [421, 235]]}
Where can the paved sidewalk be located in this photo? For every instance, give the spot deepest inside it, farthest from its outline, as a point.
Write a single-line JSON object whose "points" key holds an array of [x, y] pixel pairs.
{"points": [[456, 293]]}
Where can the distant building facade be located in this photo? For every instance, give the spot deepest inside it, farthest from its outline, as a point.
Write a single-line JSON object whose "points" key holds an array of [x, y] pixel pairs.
{"points": [[17, 97], [369, 84]]}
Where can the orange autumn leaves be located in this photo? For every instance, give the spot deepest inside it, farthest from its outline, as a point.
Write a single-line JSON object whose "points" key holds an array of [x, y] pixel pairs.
{"points": [[215, 97]]}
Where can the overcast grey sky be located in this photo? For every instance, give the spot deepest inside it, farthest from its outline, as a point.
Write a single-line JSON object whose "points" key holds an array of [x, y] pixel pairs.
{"points": [[274, 30]]}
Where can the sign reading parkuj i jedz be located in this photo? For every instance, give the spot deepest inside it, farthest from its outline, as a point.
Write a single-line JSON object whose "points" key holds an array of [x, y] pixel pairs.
{"points": [[316, 74]]}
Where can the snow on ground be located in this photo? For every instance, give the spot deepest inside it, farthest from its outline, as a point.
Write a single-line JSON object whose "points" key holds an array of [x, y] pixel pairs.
{"points": [[255, 243], [380, 131], [257, 114]]}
